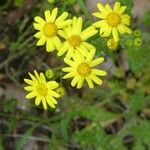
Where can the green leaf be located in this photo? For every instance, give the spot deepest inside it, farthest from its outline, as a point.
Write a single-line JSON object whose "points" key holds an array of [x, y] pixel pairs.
{"points": [[128, 3], [92, 137], [141, 132], [20, 144], [19, 3], [146, 18], [97, 114], [137, 102]]}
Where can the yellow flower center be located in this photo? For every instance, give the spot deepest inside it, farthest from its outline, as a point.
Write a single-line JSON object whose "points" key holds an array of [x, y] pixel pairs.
{"points": [[75, 40], [84, 69], [50, 29], [42, 89], [113, 19]]}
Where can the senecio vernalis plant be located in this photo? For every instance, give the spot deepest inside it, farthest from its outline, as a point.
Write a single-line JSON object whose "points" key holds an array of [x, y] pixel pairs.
{"points": [[70, 40]]}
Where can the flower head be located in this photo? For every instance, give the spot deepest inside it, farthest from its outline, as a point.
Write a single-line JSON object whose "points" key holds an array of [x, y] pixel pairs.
{"points": [[75, 38], [112, 44], [61, 90], [81, 69], [49, 29], [42, 90], [113, 21]]}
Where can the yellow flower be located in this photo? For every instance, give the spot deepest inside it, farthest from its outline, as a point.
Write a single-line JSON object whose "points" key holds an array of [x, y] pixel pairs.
{"points": [[81, 69], [112, 20], [112, 44], [42, 90], [75, 38], [49, 29]]}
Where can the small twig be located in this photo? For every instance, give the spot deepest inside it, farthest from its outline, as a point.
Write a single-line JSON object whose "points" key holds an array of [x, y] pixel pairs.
{"points": [[13, 57], [29, 138]]}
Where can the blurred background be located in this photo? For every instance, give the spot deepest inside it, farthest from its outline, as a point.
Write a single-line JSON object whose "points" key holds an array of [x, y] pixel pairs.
{"points": [[115, 116]]}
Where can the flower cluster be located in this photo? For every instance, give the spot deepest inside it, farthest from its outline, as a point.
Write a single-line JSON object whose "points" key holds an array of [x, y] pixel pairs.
{"points": [[70, 40]]}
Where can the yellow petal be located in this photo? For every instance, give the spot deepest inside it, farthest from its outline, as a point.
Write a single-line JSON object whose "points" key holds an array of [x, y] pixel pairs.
{"points": [[88, 46], [47, 16], [99, 24], [50, 45], [67, 69], [108, 9], [57, 42], [49, 101], [122, 9], [69, 75], [52, 84], [63, 24], [100, 7], [38, 34], [38, 100], [99, 15], [31, 95], [54, 94], [70, 62], [30, 82], [62, 17], [90, 83], [37, 75], [44, 103], [99, 72], [41, 41], [96, 61], [29, 88], [117, 7], [84, 51], [42, 78], [115, 34], [75, 80], [87, 35], [54, 14], [70, 53], [37, 26], [63, 49], [33, 78], [79, 25], [91, 55], [39, 20], [96, 79], [80, 83]]}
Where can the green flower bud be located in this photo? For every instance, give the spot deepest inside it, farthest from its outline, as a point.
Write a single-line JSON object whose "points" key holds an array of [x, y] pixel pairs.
{"points": [[49, 73], [129, 42], [52, 1], [61, 91], [71, 1], [138, 42], [137, 33], [131, 83]]}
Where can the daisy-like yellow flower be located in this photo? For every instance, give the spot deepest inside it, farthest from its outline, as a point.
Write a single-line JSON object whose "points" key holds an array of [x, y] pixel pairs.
{"points": [[81, 69], [75, 38], [48, 29], [112, 44], [113, 21], [41, 90]]}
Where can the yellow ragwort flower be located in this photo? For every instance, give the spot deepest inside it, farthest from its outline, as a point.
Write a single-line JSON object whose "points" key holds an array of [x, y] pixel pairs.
{"points": [[112, 44], [42, 90], [75, 38], [113, 21], [48, 29], [81, 68]]}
